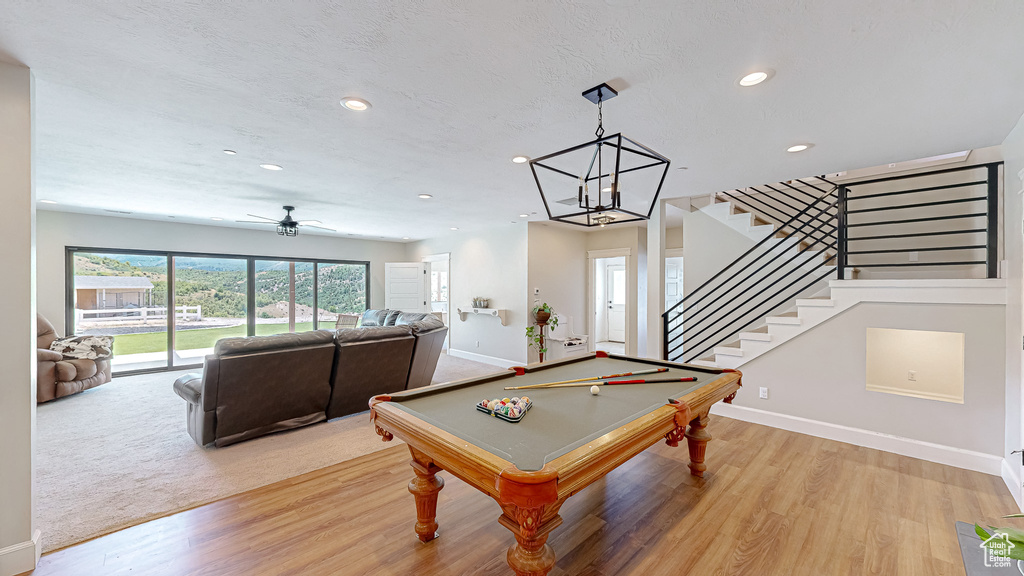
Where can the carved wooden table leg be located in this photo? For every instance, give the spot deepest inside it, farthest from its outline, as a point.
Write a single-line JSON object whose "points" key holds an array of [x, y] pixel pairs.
{"points": [[424, 488], [531, 555], [697, 440]]}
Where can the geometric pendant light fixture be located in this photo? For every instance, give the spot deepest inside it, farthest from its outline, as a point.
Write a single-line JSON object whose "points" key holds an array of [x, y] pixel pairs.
{"points": [[609, 180]]}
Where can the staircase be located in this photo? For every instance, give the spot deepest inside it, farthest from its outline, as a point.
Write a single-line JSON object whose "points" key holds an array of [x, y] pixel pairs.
{"points": [[803, 232]]}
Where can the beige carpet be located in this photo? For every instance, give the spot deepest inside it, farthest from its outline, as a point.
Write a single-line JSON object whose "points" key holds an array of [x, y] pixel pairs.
{"points": [[119, 455]]}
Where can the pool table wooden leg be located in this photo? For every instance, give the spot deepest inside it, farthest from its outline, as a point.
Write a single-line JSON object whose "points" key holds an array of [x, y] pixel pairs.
{"points": [[424, 488], [531, 555], [697, 441]]}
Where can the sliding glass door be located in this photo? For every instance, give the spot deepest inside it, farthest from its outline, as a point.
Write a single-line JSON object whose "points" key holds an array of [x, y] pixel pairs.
{"points": [[284, 296], [210, 303], [167, 310], [123, 294]]}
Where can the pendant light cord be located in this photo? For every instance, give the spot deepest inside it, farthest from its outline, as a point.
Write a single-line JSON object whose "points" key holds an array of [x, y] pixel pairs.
{"points": [[600, 118]]}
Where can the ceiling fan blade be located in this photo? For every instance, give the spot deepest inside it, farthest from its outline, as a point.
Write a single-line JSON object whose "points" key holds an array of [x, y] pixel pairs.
{"points": [[262, 217], [309, 222], [254, 222], [320, 227]]}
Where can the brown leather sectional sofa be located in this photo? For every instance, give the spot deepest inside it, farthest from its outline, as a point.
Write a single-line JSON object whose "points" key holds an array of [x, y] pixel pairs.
{"points": [[263, 384]]}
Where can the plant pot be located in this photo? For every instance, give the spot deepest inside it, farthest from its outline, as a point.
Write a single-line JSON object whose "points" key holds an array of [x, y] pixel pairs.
{"points": [[542, 317]]}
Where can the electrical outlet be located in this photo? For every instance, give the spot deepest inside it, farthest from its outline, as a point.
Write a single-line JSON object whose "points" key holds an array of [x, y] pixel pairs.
{"points": [[536, 291], [763, 393], [912, 375]]}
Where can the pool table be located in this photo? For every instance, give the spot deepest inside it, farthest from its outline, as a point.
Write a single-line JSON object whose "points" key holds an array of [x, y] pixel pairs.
{"points": [[567, 440]]}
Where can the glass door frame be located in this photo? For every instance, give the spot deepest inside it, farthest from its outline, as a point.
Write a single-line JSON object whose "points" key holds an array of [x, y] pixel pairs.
{"points": [[169, 255]]}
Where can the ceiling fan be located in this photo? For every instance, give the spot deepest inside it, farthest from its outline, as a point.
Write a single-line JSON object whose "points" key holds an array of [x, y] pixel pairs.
{"points": [[287, 226]]}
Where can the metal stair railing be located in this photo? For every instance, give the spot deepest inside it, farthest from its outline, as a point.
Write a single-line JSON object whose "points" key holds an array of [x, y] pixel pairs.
{"points": [[707, 316]]}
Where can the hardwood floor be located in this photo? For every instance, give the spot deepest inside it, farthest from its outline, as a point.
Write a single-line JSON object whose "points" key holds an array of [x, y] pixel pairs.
{"points": [[772, 502]]}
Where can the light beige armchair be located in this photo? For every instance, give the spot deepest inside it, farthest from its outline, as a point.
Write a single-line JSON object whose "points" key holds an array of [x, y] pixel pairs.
{"points": [[59, 377]]}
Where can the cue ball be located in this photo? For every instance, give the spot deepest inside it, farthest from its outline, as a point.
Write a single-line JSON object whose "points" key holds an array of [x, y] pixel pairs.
{"points": [[595, 390]]}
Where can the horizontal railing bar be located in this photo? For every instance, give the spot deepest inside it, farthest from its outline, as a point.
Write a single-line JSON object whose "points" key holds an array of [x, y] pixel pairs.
{"points": [[923, 174], [916, 190], [917, 234], [930, 219], [920, 204], [929, 249], [903, 264], [774, 208]]}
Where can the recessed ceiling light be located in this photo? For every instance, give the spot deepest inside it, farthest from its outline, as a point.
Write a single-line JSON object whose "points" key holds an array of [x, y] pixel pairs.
{"points": [[47, 201], [426, 196], [753, 79], [216, 219], [405, 237], [230, 152], [454, 228], [524, 215], [357, 104], [271, 167], [520, 159], [798, 147]]}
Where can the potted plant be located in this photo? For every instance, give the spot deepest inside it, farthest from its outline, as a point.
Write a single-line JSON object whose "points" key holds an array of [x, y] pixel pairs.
{"points": [[535, 333]]}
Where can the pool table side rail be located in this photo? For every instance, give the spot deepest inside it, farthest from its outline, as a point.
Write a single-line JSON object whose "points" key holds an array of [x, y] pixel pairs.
{"points": [[581, 467], [575, 470]]}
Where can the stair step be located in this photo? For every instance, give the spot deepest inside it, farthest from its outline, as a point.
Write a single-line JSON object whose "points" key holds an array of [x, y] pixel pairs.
{"points": [[728, 351], [705, 363], [789, 318], [759, 336], [816, 302]]}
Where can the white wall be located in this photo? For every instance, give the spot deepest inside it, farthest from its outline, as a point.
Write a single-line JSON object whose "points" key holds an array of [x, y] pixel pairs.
{"points": [[19, 541], [489, 265], [60, 229], [557, 265], [708, 246], [1013, 214], [820, 375]]}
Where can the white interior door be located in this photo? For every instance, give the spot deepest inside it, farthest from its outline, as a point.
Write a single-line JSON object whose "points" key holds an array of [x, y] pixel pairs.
{"points": [[673, 284], [406, 286], [615, 290]]}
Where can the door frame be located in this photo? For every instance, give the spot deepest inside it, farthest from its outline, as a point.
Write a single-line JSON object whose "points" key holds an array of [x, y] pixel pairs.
{"points": [[593, 255], [444, 257]]}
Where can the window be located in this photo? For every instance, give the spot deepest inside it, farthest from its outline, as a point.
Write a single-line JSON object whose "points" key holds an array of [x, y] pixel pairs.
{"points": [[213, 296]]}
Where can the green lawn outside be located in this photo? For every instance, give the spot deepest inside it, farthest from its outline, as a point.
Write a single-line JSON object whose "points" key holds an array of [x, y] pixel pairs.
{"points": [[125, 344]]}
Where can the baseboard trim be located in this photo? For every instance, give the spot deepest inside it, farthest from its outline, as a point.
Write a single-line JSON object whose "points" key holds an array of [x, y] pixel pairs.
{"points": [[21, 557], [503, 363], [1012, 481], [957, 457]]}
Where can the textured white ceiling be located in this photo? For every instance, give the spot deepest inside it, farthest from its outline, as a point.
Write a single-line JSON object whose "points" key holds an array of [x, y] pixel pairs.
{"points": [[135, 101]]}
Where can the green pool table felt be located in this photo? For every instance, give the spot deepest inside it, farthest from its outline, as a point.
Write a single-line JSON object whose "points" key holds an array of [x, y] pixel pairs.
{"points": [[561, 419]]}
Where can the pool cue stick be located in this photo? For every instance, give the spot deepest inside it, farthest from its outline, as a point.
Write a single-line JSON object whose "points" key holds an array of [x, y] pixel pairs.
{"points": [[612, 382], [592, 378]]}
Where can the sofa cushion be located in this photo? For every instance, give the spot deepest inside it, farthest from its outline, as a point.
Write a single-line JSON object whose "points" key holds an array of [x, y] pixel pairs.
{"points": [[250, 344], [392, 317], [356, 335], [66, 371], [420, 322], [374, 317]]}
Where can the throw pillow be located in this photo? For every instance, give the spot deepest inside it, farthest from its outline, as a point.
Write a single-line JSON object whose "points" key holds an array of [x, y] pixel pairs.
{"points": [[84, 347]]}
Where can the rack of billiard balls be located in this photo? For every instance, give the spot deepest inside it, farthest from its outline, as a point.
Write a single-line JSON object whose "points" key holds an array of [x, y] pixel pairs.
{"points": [[508, 409]]}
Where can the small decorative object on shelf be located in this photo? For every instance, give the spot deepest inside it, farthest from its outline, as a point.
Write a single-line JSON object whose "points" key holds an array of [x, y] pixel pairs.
{"points": [[543, 315], [481, 302]]}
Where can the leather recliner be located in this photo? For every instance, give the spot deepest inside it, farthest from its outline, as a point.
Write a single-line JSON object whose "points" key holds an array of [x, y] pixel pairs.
{"points": [[58, 377], [430, 333], [259, 385], [368, 361]]}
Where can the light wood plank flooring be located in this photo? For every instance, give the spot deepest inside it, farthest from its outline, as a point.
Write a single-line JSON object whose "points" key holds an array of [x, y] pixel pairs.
{"points": [[772, 502]]}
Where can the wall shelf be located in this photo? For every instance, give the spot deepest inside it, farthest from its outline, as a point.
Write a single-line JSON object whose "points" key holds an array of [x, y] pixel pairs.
{"points": [[496, 312]]}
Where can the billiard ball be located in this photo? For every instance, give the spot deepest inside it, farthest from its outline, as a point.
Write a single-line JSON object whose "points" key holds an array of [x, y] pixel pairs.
{"points": [[595, 390]]}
